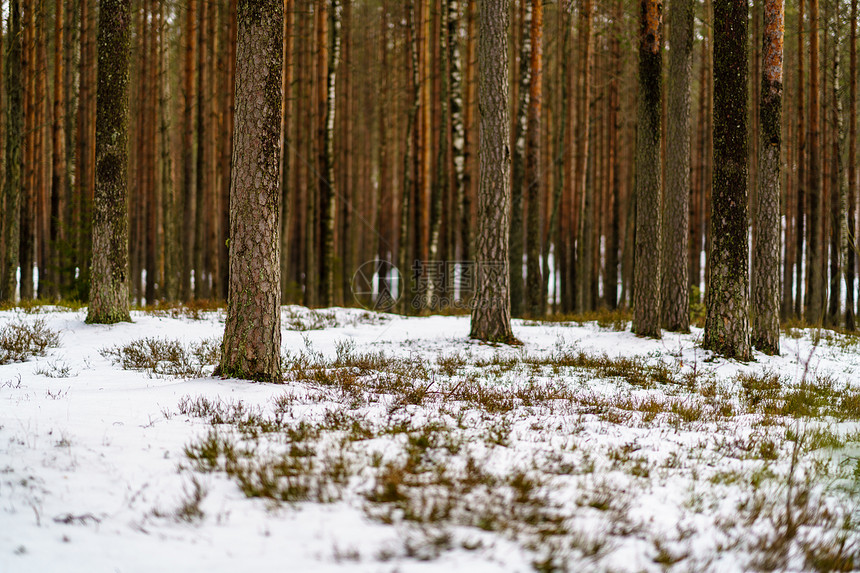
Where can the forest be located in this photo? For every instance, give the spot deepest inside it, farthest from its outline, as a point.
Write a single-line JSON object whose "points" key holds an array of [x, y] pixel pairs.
{"points": [[615, 156]]}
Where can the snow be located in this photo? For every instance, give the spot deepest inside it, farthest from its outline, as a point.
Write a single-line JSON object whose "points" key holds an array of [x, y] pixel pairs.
{"points": [[93, 469]]}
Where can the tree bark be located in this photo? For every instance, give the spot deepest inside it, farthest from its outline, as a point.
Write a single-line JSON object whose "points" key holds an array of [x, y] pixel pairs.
{"points": [[491, 313], [675, 297], [534, 283], [109, 289], [646, 306], [850, 267], [252, 336], [727, 323], [815, 242], [766, 260], [14, 156]]}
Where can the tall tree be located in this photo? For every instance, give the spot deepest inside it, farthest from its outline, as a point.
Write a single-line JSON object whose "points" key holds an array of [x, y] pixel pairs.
{"points": [[491, 311], [766, 261], [534, 282], [14, 156], [109, 289], [815, 236], [252, 335], [727, 323], [675, 297], [850, 267], [646, 307]]}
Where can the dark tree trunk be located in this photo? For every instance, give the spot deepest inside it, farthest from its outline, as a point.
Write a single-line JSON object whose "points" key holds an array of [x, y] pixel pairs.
{"points": [[766, 261], [534, 184], [14, 157], [646, 306], [109, 289], [252, 335], [727, 323], [675, 296], [851, 219], [815, 244], [491, 313]]}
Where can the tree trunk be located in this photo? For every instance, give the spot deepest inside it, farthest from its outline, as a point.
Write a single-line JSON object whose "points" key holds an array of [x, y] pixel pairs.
{"points": [[815, 244], [534, 282], [766, 261], [187, 195], [646, 306], [800, 195], [521, 94], [675, 296], [252, 335], [851, 219], [328, 188], [491, 314], [727, 323], [109, 289], [14, 157]]}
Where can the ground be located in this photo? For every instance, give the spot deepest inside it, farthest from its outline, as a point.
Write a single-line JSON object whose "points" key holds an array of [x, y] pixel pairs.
{"points": [[397, 444]]}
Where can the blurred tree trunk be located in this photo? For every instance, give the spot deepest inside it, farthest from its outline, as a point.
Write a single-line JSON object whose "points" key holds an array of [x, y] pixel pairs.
{"points": [[14, 158]]}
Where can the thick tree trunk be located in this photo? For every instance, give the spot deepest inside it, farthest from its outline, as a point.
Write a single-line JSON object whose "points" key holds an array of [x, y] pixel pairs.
{"points": [[109, 289], [491, 313], [766, 261], [727, 323], [252, 335], [646, 306], [675, 297]]}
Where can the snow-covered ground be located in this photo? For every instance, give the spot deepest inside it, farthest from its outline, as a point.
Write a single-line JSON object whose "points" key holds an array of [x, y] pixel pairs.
{"points": [[397, 444]]}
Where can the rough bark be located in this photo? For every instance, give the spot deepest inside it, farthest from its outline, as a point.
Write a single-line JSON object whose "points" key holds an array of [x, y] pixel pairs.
{"points": [[727, 323], [109, 288], [252, 336], [766, 260], [646, 306], [491, 312], [675, 297]]}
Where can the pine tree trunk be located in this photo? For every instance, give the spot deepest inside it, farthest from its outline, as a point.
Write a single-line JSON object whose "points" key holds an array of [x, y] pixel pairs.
{"points": [[14, 156], [838, 192], [252, 336], [727, 323], [675, 297], [521, 87], [614, 240], [851, 219], [58, 171], [187, 220], [109, 289], [815, 243], [491, 314], [800, 195], [534, 184], [646, 306], [766, 260], [328, 188]]}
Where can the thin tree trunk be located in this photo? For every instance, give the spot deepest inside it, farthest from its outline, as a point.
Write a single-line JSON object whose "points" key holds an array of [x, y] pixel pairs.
{"points": [[850, 268], [14, 156], [534, 283], [815, 244]]}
